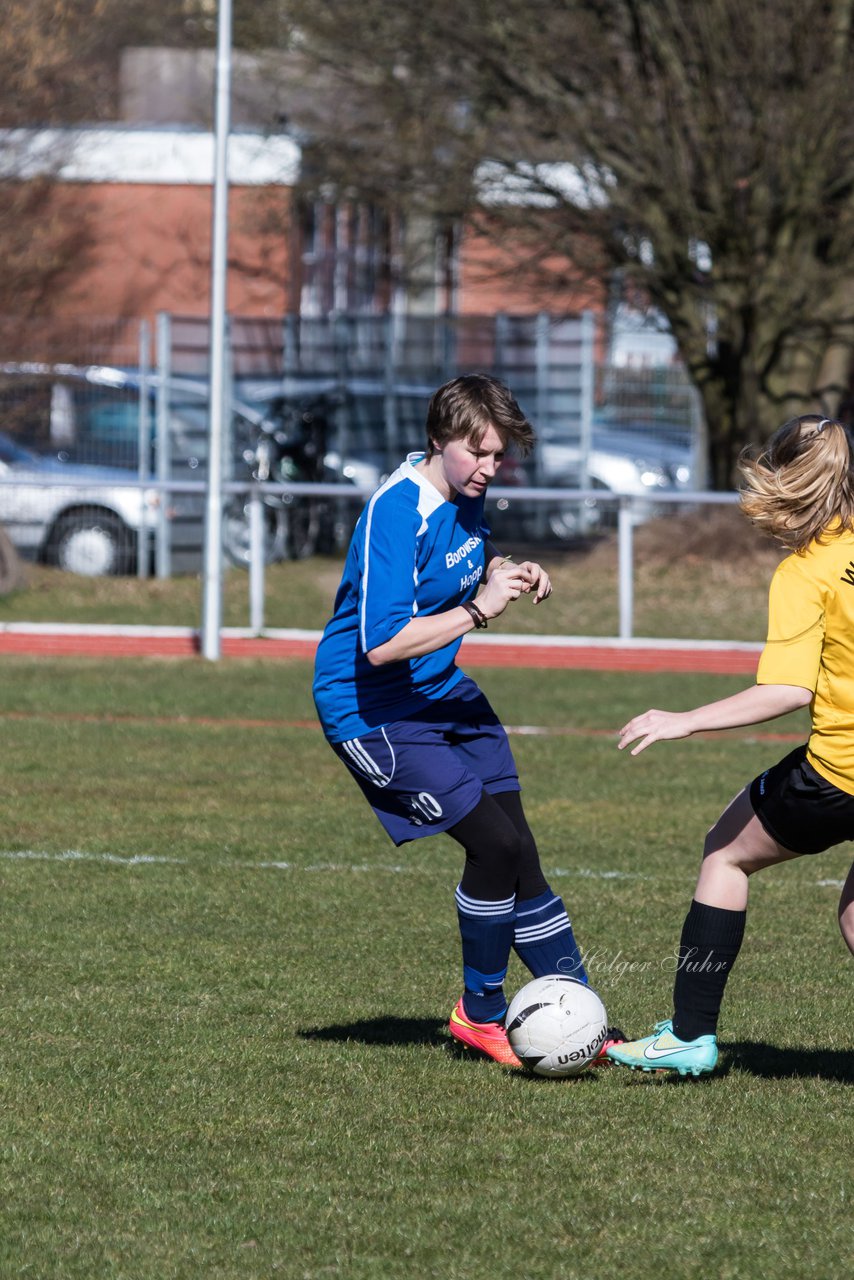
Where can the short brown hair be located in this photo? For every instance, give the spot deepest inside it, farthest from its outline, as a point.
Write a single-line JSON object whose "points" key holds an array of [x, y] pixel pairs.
{"points": [[464, 407]]}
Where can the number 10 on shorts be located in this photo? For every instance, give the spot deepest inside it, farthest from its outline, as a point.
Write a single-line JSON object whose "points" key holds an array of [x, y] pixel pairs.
{"points": [[425, 807]]}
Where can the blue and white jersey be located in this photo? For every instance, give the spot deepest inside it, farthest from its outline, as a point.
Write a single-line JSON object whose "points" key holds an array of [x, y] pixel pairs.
{"points": [[413, 553]]}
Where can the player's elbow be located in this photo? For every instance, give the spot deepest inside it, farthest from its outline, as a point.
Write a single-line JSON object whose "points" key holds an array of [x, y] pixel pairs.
{"points": [[394, 649]]}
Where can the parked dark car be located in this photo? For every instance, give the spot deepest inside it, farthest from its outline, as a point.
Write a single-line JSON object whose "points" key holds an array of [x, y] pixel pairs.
{"points": [[628, 455]]}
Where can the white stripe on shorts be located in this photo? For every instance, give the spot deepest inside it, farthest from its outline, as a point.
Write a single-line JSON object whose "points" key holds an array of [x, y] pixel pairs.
{"points": [[363, 763]]}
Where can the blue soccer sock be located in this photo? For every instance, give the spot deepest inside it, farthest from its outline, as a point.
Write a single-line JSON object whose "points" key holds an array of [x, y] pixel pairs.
{"points": [[486, 930], [543, 938]]}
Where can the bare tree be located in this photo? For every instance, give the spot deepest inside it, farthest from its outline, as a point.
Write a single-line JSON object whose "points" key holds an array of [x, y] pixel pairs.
{"points": [[60, 67], [700, 154]]}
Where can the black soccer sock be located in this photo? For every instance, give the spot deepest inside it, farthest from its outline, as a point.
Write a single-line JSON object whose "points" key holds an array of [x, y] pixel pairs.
{"points": [[710, 943]]}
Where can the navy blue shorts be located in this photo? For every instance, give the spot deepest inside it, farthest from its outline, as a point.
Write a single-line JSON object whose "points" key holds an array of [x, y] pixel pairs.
{"points": [[799, 808], [424, 774]]}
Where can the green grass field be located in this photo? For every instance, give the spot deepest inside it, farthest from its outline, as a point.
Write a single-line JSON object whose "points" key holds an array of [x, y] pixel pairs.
{"points": [[225, 993]]}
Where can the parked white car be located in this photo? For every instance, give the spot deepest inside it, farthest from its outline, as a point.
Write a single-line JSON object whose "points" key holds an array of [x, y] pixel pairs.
{"points": [[85, 519]]}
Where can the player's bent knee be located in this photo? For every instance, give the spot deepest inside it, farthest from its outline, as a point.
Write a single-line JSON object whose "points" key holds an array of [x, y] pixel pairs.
{"points": [[846, 920], [492, 869], [506, 854]]}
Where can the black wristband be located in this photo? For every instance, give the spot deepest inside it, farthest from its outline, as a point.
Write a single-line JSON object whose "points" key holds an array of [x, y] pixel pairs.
{"points": [[478, 617]]}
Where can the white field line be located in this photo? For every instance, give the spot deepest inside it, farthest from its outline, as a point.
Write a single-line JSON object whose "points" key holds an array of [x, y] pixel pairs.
{"points": [[241, 723], [321, 868], [77, 855]]}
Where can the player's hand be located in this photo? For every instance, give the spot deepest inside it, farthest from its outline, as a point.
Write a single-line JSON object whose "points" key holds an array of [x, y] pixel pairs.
{"points": [[654, 726], [506, 582], [536, 580]]}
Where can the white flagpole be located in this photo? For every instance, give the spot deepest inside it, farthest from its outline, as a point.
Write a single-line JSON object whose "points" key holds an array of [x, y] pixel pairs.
{"points": [[212, 581]]}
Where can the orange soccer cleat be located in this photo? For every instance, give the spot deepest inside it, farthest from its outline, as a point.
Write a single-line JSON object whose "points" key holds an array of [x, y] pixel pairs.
{"points": [[489, 1037]]}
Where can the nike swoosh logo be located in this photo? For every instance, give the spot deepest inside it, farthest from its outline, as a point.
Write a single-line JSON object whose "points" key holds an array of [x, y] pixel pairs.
{"points": [[652, 1052]]}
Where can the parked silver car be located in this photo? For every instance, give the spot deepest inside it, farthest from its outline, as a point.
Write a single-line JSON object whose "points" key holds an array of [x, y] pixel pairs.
{"points": [[637, 460], [86, 519]]}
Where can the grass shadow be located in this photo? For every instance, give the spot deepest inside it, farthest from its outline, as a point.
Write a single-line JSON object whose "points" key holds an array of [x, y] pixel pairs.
{"points": [[386, 1030], [772, 1063], [422, 1031]]}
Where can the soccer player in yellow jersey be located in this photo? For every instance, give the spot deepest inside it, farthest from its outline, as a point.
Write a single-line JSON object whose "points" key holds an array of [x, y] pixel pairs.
{"points": [[800, 490]]}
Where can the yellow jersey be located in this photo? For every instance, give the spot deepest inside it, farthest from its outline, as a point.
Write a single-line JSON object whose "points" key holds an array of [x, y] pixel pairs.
{"points": [[811, 644]]}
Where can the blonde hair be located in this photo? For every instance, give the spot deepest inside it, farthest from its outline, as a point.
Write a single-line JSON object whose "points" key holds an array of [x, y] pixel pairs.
{"points": [[800, 488]]}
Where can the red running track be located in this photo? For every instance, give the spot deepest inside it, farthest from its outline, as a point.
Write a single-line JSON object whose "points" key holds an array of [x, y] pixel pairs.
{"points": [[573, 654]]}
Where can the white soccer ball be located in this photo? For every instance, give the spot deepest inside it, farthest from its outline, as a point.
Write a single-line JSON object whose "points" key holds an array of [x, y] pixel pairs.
{"points": [[556, 1025]]}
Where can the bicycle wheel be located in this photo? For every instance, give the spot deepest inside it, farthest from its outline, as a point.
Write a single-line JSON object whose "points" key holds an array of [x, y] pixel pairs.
{"points": [[236, 540]]}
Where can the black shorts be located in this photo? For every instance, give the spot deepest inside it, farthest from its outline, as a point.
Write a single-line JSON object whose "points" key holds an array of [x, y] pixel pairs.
{"points": [[799, 808]]}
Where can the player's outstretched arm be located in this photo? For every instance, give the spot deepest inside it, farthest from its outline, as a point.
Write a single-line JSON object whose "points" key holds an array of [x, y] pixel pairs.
{"points": [[751, 706]]}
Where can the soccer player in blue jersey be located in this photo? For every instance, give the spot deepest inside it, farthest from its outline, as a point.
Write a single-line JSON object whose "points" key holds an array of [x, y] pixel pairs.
{"points": [[417, 734]]}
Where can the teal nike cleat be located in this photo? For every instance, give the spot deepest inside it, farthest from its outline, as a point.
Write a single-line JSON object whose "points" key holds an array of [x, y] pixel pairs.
{"points": [[662, 1051]]}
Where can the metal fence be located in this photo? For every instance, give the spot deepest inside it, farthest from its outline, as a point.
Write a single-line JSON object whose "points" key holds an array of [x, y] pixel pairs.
{"points": [[89, 416], [378, 372], [625, 511], [93, 531]]}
